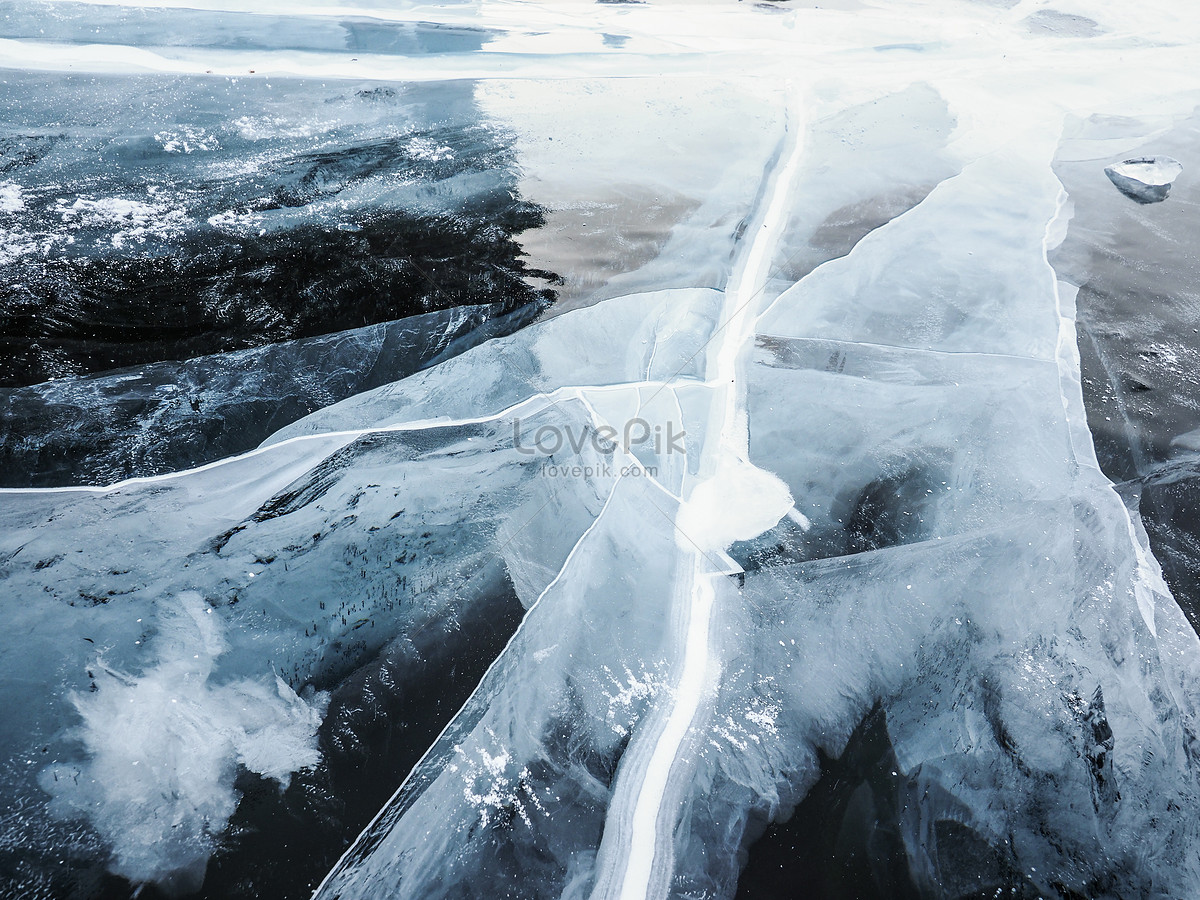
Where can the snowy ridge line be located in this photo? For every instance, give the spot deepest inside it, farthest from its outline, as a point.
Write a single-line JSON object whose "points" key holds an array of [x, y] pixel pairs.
{"points": [[725, 318], [649, 838], [650, 830], [1066, 351], [387, 808], [568, 392]]}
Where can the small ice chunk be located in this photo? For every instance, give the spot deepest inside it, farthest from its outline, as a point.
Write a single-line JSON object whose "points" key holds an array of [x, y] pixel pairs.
{"points": [[1146, 179]]}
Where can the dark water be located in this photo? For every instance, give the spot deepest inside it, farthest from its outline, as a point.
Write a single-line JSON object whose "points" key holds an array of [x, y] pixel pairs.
{"points": [[845, 841], [169, 227], [212, 292], [842, 841], [167, 416], [157, 224]]}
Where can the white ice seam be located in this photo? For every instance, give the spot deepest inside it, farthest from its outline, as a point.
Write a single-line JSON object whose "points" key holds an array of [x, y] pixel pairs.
{"points": [[651, 827]]}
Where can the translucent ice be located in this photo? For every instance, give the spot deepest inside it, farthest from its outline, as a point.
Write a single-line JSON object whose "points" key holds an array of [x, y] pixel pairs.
{"points": [[1147, 179]]}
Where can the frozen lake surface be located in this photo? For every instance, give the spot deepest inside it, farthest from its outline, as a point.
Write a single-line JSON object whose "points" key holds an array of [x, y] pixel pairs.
{"points": [[599, 450]]}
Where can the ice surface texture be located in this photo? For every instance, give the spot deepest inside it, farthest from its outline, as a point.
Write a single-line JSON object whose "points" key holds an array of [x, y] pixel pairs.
{"points": [[885, 507], [167, 416], [167, 218]]}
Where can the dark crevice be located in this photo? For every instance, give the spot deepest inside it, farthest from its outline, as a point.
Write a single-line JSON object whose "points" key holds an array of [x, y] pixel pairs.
{"points": [[843, 842]]}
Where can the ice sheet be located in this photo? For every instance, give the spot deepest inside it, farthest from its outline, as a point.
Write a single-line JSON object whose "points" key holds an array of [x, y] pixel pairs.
{"points": [[810, 451]]}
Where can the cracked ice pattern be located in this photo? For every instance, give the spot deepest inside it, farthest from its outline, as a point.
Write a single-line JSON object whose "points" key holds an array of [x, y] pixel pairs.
{"points": [[850, 312]]}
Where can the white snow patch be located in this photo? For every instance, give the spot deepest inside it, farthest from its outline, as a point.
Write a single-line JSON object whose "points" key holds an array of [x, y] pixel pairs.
{"points": [[162, 750], [739, 503], [11, 198]]}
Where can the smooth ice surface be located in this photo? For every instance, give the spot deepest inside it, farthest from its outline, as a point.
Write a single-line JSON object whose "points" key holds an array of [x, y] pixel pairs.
{"points": [[803, 447]]}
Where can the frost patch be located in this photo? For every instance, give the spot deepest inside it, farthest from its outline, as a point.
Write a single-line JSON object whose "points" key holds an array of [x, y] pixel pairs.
{"points": [[11, 198], [15, 244], [629, 697], [133, 219], [492, 784], [430, 151], [18, 243], [187, 140], [236, 222], [262, 127], [161, 750], [751, 723]]}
